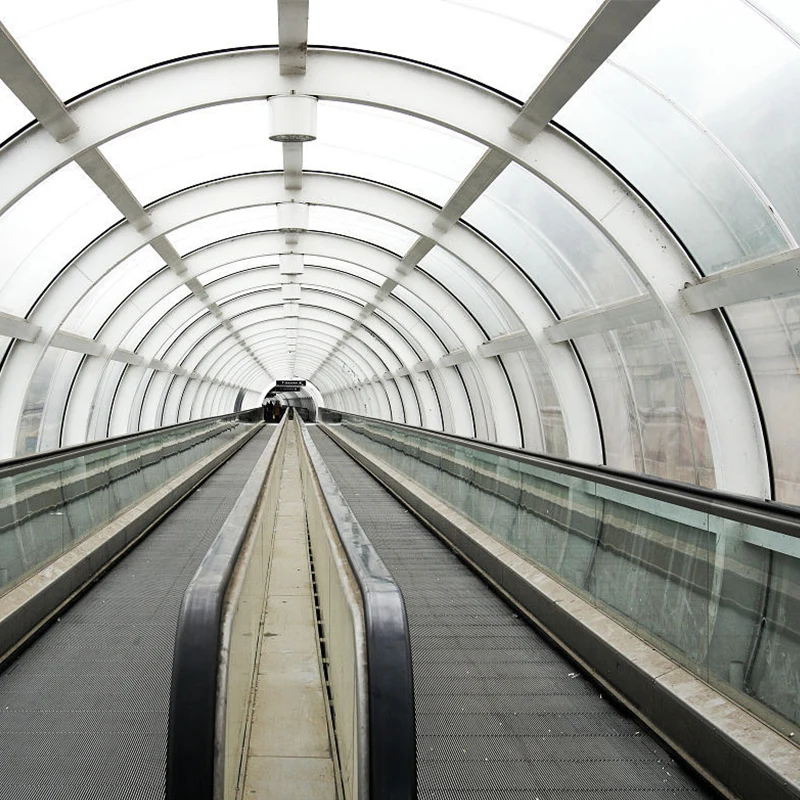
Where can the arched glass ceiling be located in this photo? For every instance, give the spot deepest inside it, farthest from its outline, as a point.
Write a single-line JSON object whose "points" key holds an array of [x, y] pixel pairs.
{"points": [[566, 226]]}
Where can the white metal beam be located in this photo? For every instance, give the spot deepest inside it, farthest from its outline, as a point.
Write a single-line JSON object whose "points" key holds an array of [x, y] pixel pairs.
{"points": [[508, 343], [623, 314], [77, 343], [605, 31], [770, 276], [293, 166], [18, 327], [127, 357], [31, 89], [490, 165], [96, 166], [292, 36], [455, 357]]}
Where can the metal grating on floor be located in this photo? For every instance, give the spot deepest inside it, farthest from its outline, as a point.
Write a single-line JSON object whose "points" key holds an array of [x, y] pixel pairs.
{"points": [[83, 711], [500, 713]]}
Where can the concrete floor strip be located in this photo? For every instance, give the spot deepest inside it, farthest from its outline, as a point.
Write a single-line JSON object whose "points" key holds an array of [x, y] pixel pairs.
{"points": [[290, 753]]}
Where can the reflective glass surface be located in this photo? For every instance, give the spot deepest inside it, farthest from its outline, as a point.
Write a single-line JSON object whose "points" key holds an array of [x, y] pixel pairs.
{"points": [[47, 508], [560, 251], [46, 229], [690, 116], [192, 148], [692, 582]]}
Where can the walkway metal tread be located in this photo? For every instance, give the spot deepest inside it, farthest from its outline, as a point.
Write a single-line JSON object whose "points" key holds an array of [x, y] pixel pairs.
{"points": [[83, 711], [500, 713]]}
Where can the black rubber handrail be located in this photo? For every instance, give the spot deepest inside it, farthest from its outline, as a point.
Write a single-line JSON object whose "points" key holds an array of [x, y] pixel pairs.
{"points": [[767, 514], [390, 684], [194, 701], [50, 457]]}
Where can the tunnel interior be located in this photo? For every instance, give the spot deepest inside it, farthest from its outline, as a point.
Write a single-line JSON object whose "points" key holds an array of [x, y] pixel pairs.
{"points": [[571, 228]]}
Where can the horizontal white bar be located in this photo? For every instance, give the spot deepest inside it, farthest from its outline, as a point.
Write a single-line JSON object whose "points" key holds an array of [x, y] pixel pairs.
{"points": [[772, 540], [623, 314], [454, 358], [509, 343], [127, 357], [18, 327], [755, 280], [77, 343]]}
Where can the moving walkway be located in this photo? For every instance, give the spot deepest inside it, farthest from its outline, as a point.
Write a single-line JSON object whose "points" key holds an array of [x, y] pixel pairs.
{"points": [[453, 661]]}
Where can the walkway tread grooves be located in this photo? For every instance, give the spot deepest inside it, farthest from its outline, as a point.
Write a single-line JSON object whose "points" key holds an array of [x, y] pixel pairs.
{"points": [[83, 711], [500, 713]]}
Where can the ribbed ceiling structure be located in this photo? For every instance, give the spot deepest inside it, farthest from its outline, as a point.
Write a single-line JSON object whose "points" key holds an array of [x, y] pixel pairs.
{"points": [[565, 226]]}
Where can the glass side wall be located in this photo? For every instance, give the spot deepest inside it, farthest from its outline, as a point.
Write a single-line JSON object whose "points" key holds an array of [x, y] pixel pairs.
{"points": [[717, 595], [50, 504]]}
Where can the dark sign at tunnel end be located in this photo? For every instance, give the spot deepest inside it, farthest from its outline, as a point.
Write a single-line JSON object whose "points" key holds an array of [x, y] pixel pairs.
{"points": [[288, 386]]}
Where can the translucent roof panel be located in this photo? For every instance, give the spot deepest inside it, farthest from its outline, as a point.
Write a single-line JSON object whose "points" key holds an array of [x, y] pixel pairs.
{"points": [[431, 317], [552, 420], [45, 230], [99, 304], [785, 13], [674, 126], [565, 255], [221, 272], [769, 331], [361, 226], [392, 148], [194, 147], [111, 39], [223, 226], [151, 319], [491, 312], [651, 417], [507, 44], [335, 264], [13, 115]]}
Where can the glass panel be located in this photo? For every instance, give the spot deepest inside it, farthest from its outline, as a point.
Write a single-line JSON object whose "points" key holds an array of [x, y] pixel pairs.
{"points": [[761, 70], [100, 411], [59, 387], [360, 226], [392, 148], [718, 595], [44, 230], [769, 331], [479, 400], [336, 265], [569, 259], [218, 273], [784, 12], [443, 331], [101, 301], [195, 235], [502, 43], [549, 407], [147, 32], [676, 166], [492, 313], [191, 148], [677, 132], [149, 319], [651, 418], [234, 286], [35, 398], [52, 504], [13, 114]]}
